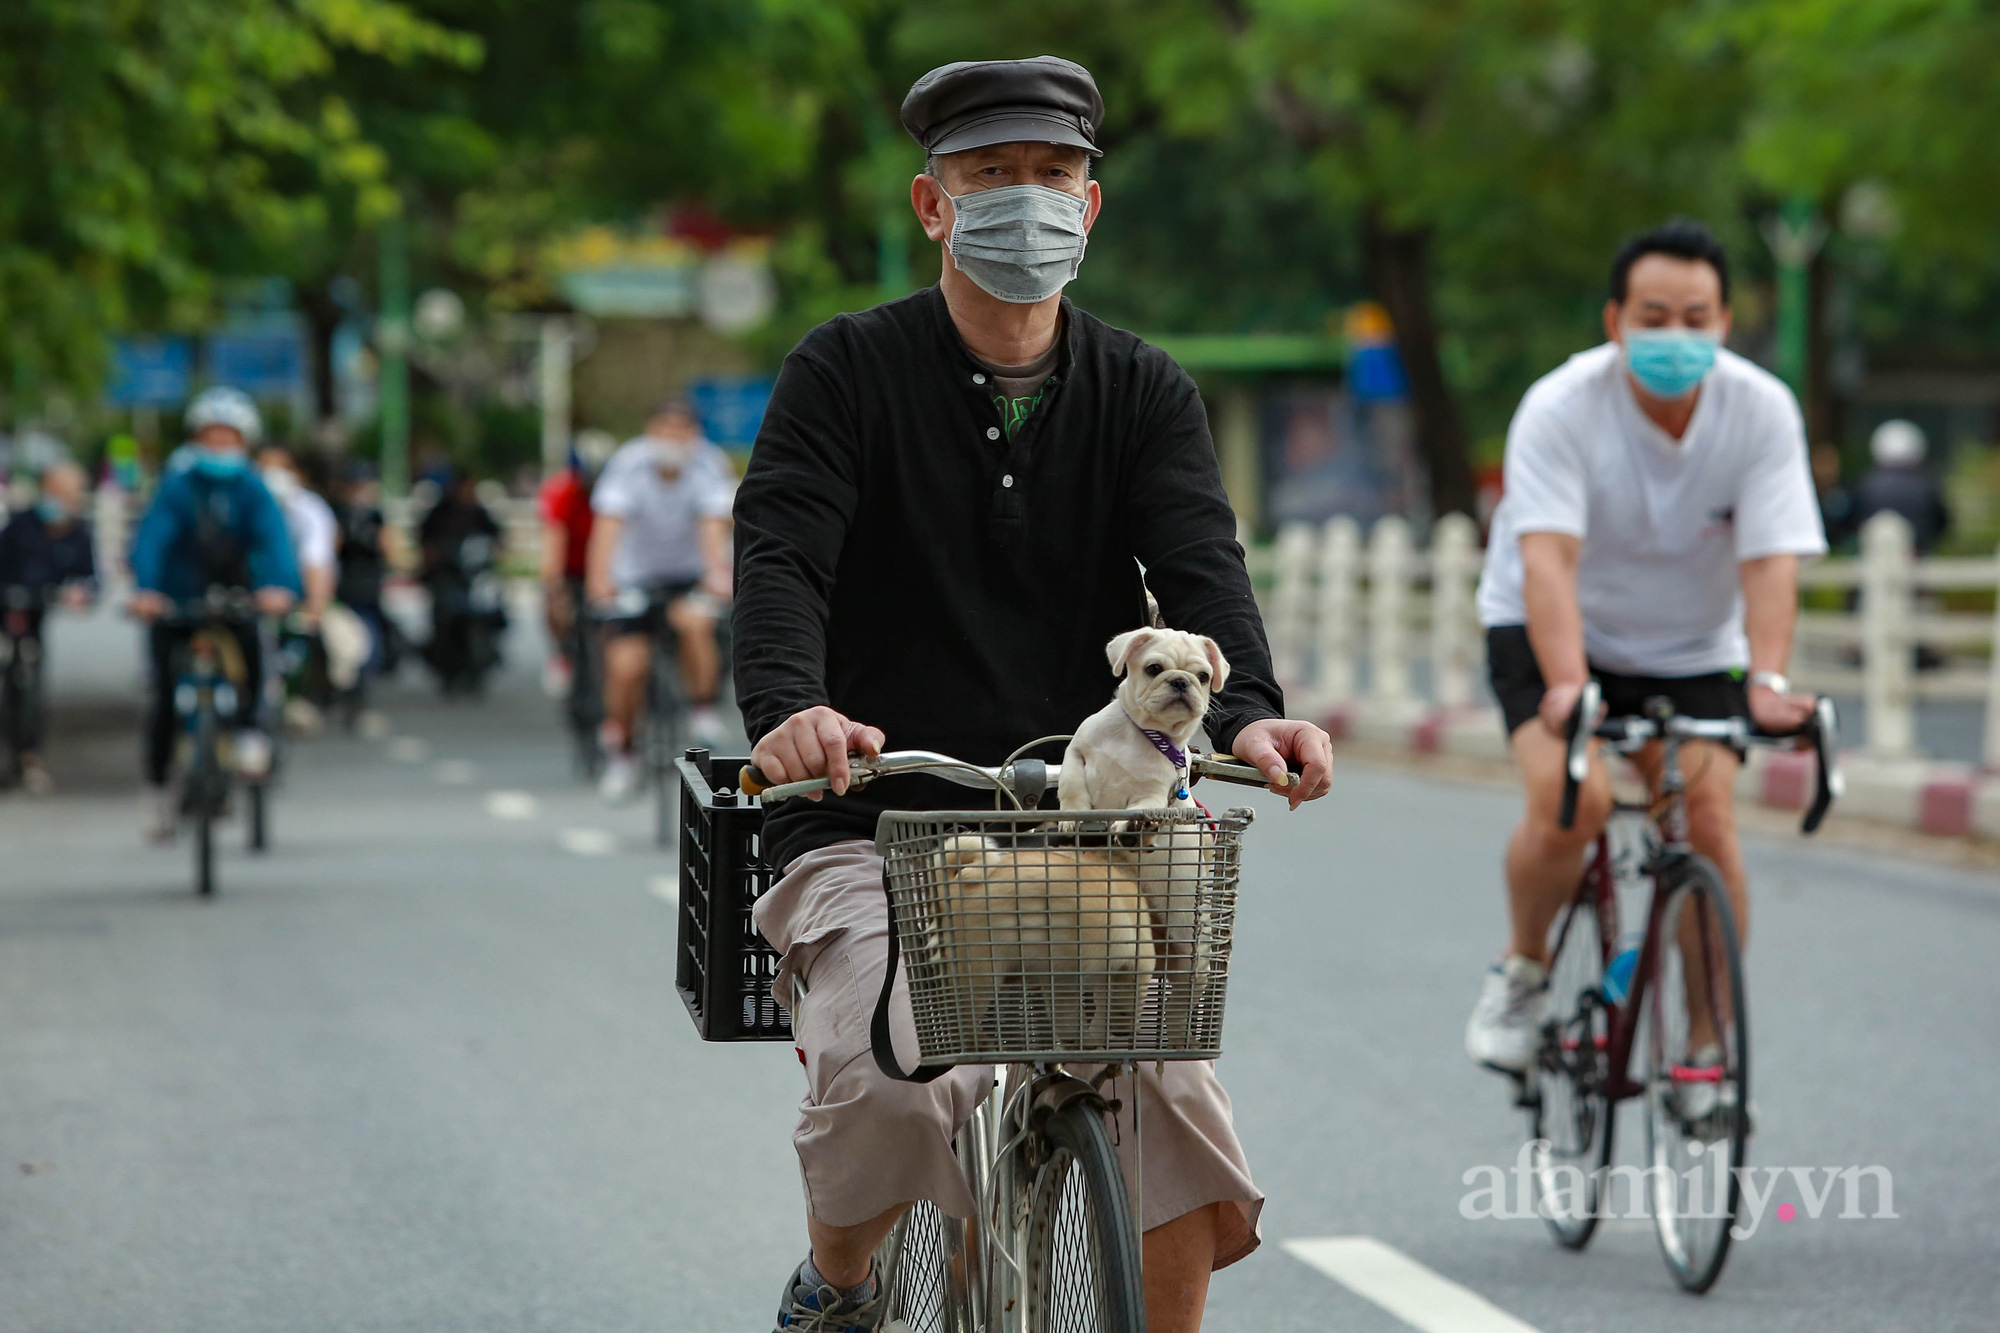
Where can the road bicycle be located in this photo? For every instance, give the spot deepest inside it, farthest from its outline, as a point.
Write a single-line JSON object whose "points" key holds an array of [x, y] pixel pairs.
{"points": [[1664, 994], [583, 705], [1039, 966], [664, 727], [209, 675], [21, 701]]}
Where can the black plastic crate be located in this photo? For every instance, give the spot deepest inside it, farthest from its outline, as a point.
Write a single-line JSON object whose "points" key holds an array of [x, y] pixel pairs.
{"points": [[723, 968]]}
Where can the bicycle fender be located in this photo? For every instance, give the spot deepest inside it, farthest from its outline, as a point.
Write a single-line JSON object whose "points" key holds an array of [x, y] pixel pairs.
{"points": [[878, 1026]]}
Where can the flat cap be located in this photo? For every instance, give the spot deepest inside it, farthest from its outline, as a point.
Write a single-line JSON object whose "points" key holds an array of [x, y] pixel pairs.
{"points": [[975, 103]]}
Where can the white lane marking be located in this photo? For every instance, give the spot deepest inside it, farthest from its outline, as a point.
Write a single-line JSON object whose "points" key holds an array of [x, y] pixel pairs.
{"points": [[667, 888], [510, 805], [1405, 1288], [409, 750], [455, 772], [587, 841]]}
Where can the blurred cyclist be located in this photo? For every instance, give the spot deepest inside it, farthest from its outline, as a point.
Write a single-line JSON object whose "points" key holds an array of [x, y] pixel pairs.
{"points": [[564, 504], [42, 550], [315, 531], [212, 523], [364, 567], [662, 529], [1658, 503]]}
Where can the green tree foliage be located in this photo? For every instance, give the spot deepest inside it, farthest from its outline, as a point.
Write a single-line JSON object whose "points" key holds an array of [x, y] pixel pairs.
{"points": [[144, 144]]}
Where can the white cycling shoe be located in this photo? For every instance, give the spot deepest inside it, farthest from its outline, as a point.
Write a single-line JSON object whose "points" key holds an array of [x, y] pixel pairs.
{"points": [[253, 755], [621, 777], [1505, 1031]]}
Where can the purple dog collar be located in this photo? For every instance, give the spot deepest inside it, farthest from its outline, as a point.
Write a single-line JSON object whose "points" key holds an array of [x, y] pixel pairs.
{"points": [[1165, 745]]}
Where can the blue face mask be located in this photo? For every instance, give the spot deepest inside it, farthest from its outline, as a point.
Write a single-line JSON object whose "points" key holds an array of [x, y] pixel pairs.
{"points": [[52, 511], [1669, 363], [219, 464]]}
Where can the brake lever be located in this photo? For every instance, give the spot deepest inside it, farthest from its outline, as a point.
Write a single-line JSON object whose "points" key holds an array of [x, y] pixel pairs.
{"points": [[1831, 784], [1577, 734]]}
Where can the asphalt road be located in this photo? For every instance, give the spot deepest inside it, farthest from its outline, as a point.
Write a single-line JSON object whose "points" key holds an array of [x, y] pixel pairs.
{"points": [[421, 1067]]}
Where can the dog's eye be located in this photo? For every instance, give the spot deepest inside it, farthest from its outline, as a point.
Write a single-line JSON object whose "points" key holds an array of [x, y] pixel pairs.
{"points": [[1201, 676], [1154, 669]]}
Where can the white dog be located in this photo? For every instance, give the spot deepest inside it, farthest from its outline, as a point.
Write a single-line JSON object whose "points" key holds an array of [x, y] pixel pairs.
{"points": [[1054, 929], [1132, 753]]}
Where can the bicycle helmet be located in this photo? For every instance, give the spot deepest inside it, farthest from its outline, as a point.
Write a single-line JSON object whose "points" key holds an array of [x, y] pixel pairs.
{"points": [[224, 406]]}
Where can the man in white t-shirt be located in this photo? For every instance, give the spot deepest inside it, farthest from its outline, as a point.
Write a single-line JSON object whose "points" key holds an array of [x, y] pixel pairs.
{"points": [[1658, 501], [661, 533]]}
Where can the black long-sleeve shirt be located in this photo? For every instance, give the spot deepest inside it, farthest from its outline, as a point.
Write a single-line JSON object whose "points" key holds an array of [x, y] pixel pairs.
{"points": [[901, 559], [34, 555]]}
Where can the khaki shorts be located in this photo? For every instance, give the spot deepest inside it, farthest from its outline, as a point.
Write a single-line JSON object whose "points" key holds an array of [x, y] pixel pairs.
{"points": [[867, 1142]]}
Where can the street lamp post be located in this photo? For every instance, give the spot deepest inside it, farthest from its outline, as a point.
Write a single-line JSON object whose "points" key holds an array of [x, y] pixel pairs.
{"points": [[392, 341], [1795, 236]]}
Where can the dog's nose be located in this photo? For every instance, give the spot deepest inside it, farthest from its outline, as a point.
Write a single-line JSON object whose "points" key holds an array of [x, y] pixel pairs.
{"points": [[1180, 683]]}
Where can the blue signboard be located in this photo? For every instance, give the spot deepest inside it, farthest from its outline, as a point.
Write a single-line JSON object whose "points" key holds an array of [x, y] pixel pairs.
{"points": [[731, 408], [263, 365], [150, 372]]}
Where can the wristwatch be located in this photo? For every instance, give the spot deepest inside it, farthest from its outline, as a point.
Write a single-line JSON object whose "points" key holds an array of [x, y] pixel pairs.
{"points": [[1772, 681]]}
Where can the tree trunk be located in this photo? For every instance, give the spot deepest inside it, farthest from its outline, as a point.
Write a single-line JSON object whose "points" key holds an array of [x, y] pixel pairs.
{"points": [[1399, 270], [322, 315]]}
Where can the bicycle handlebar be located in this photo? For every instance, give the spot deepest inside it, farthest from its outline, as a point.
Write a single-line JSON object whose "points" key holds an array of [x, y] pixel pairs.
{"points": [[1027, 779], [227, 604], [1626, 734]]}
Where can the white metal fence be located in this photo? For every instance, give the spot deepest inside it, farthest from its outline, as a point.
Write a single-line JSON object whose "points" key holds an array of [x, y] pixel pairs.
{"points": [[1372, 622]]}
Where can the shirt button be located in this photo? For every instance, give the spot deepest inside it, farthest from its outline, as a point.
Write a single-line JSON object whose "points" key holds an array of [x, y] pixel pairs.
{"points": [[979, 379], [1007, 480], [992, 432]]}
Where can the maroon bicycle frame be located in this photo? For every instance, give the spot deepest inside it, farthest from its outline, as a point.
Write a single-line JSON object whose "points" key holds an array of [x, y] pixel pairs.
{"points": [[1600, 889]]}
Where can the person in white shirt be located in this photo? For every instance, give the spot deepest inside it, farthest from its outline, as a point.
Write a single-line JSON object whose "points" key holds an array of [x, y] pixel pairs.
{"points": [[315, 531], [661, 528], [1657, 503]]}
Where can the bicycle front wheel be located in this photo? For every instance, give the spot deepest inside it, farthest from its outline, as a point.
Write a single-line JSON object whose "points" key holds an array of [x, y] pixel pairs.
{"points": [[260, 826], [1697, 1034], [1082, 1253], [923, 1266], [1570, 1117]]}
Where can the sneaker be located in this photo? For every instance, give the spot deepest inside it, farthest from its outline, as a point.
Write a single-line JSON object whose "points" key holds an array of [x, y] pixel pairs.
{"points": [[159, 813], [556, 677], [1707, 1108], [807, 1308], [253, 755], [35, 779], [1505, 1031], [705, 723], [621, 776]]}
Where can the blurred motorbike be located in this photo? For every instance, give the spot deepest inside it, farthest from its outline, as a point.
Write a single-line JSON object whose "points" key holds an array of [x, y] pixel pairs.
{"points": [[468, 616]]}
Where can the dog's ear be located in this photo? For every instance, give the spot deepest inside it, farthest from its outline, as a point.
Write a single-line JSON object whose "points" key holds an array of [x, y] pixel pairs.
{"points": [[1119, 651], [1218, 666]]}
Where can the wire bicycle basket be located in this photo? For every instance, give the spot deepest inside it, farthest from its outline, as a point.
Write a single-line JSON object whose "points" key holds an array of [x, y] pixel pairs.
{"points": [[1033, 935]]}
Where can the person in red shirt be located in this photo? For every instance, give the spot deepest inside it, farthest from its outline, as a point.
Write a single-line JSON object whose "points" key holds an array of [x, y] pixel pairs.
{"points": [[564, 505]]}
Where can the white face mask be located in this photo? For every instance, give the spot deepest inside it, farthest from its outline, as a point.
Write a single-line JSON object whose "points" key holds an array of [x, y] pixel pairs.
{"points": [[1019, 243], [280, 483], [670, 456]]}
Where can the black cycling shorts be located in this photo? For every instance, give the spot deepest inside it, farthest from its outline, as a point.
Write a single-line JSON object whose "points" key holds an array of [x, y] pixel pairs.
{"points": [[659, 595], [1517, 684]]}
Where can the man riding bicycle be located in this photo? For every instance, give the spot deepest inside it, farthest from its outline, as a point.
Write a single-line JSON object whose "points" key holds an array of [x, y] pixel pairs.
{"points": [[564, 506], [1658, 501], [661, 531], [45, 553], [944, 521], [212, 523]]}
